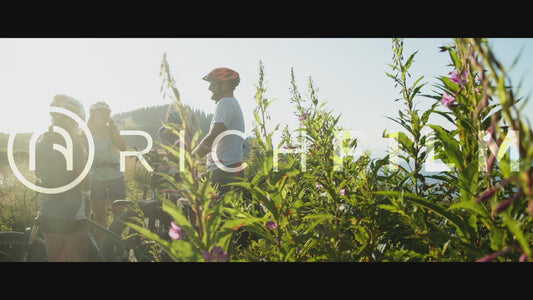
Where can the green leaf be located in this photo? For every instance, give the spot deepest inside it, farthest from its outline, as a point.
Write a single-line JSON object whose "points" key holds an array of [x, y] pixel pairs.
{"points": [[519, 235], [155, 237], [446, 115], [393, 209], [181, 220], [497, 238], [410, 60], [257, 118], [453, 218], [468, 181], [472, 206], [317, 219], [452, 149]]}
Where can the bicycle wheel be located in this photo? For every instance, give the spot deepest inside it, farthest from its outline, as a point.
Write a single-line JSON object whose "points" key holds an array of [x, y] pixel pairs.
{"points": [[12, 246], [114, 251], [141, 249]]}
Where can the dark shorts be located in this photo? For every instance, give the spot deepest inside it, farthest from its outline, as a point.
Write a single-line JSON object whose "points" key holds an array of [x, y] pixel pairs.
{"points": [[60, 225], [222, 178], [113, 189]]}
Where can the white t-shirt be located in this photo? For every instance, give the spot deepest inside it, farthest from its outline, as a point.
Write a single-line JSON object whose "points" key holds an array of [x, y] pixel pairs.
{"points": [[229, 149]]}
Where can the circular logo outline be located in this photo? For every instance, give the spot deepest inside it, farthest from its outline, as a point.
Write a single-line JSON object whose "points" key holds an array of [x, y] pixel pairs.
{"points": [[73, 183], [214, 151]]}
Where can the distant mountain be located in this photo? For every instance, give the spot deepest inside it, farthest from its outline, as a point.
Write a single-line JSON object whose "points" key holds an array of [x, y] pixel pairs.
{"points": [[150, 119]]}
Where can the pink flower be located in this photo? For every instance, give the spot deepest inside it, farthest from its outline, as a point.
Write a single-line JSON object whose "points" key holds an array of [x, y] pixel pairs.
{"points": [[268, 197], [342, 192], [303, 116], [318, 185], [216, 254], [175, 231], [460, 80], [287, 147], [447, 100], [271, 225]]}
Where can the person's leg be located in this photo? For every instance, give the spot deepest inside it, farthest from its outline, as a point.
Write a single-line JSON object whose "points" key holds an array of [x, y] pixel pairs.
{"points": [[55, 247], [100, 211], [216, 177], [237, 177], [222, 178], [117, 191], [99, 205], [77, 245], [53, 239]]}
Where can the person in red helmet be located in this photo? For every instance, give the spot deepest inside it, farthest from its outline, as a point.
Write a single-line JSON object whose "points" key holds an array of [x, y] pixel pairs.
{"points": [[225, 164]]}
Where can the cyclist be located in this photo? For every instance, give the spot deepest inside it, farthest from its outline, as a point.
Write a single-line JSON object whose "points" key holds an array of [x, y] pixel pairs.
{"points": [[59, 216], [228, 116], [108, 181]]}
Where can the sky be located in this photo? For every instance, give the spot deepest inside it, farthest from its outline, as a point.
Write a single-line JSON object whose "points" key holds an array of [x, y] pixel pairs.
{"points": [[349, 74]]}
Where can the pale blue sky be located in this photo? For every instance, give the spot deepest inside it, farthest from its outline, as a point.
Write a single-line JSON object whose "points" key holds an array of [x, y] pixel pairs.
{"points": [[348, 72]]}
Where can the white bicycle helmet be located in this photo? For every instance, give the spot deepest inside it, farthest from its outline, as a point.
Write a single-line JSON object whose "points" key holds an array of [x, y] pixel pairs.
{"points": [[100, 105], [69, 103]]}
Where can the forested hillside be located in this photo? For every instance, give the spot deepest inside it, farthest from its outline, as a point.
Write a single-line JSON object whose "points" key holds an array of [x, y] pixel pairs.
{"points": [[148, 119]]}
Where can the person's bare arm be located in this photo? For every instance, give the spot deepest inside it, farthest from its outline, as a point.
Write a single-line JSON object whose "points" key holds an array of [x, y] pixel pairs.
{"points": [[205, 145], [79, 165], [118, 140]]}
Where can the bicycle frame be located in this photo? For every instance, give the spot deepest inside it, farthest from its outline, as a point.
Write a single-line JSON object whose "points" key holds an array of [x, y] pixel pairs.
{"points": [[94, 244], [30, 234]]}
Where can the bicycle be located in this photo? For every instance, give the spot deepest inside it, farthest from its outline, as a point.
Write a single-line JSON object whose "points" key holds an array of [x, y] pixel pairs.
{"points": [[22, 246], [29, 246], [147, 212], [118, 244]]}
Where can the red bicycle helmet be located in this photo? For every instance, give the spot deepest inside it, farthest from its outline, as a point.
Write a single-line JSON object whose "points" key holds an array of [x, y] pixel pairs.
{"points": [[222, 75]]}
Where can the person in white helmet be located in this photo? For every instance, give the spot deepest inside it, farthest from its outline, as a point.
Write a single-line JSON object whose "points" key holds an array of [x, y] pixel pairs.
{"points": [[108, 181], [59, 216]]}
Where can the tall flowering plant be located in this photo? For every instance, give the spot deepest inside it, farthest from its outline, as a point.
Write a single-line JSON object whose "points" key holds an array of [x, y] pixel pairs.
{"points": [[486, 118], [413, 195], [315, 201], [204, 223], [303, 201], [485, 190]]}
